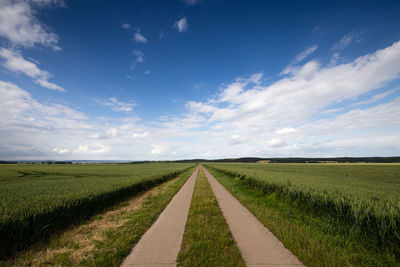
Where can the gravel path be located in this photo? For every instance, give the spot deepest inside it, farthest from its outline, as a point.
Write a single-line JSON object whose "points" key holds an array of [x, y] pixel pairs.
{"points": [[161, 244], [258, 246]]}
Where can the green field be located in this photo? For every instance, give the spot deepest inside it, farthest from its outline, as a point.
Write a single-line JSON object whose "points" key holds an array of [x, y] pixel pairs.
{"points": [[367, 195], [37, 199], [327, 214]]}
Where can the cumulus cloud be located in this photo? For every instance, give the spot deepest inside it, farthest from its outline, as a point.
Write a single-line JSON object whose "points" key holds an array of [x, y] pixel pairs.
{"points": [[181, 25], [13, 61], [244, 118], [19, 25], [117, 105]]}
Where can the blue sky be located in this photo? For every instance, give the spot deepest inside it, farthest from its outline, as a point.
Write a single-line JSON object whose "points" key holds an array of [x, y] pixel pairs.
{"points": [[177, 79]]}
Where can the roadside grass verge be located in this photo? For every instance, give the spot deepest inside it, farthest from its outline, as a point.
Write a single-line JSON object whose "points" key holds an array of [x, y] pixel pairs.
{"points": [[207, 240], [317, 239], [107, 237]]}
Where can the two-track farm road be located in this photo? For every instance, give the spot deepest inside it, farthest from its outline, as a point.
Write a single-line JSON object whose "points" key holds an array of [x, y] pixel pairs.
{"points": [[161, 244], [258, 246]]}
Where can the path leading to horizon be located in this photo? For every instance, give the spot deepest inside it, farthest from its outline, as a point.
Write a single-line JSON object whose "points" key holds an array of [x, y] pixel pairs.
{"points": [[161, 244], [258, 246]]}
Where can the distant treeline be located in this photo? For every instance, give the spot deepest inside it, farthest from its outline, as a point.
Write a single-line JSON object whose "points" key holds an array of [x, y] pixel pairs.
{"points": [[314, 160], [245, 160], [301, 160]]}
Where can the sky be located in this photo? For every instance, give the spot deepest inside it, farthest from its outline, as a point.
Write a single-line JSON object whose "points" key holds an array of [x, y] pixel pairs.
{"points": [[180, 79]]}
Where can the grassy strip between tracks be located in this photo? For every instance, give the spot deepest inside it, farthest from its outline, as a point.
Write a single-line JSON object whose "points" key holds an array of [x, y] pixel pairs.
{"points": [[316, 239], [106, 238], [207, 240]]}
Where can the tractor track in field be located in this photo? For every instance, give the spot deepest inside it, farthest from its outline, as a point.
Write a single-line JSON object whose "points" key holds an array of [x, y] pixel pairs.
{"points": [[160, 245]]}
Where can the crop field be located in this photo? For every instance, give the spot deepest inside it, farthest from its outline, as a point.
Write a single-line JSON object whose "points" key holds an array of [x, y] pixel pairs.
{"points": [[36, 199], [364, 195]]}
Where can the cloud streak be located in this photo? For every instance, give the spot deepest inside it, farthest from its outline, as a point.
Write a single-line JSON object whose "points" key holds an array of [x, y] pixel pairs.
{"points": [[117, 105], [14, 62], [19, 25], [351, 37], [299, 58]]}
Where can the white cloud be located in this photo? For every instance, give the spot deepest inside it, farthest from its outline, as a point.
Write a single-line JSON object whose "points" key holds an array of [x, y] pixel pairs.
{"points": [[19, 25], [140, 135], [191, 2], [48, 3], [181, 25], [139, 56], [126, 26], [331, 110], [244, 118], [117, 105], [236, 139], [107, 133], [49, 85], [61, 150], [95, 148], [276, 142], [139, 59], [300, 57], [13, 61], [351, 37], [139, 38], [157, 150], [286, 130], [306, 53], [257, 111]]}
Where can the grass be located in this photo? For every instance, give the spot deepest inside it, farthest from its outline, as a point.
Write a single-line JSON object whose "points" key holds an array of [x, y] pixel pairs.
{"points": [[106, 238], [36, 200], [316, 237], [207, 240]]}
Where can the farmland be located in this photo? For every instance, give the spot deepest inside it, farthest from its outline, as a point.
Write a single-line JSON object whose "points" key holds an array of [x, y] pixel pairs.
{"points": [[37, 199], [355, 203]]}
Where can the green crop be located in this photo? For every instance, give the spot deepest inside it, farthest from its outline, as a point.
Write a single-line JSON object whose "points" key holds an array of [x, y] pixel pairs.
{"points": [[37, 199], [366, 196]]}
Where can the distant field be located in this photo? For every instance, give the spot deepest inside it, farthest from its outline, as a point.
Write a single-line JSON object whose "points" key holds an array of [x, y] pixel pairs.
{"points": [[367, 195], [35, 199]]}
